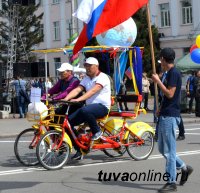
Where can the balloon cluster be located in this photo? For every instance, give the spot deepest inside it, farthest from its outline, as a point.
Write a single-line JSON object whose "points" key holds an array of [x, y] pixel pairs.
{"points": [[195, 51]]}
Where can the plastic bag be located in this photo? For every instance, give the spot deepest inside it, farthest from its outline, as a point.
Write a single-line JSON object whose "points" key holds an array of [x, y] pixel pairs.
{"points": [[39, 110]]}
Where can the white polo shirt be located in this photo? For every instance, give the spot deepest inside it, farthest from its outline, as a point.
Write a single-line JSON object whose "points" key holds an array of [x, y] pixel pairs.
{"points": [[104, 95]]}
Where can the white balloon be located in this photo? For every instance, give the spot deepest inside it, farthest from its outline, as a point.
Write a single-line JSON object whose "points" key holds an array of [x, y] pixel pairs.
{"points": [[123, 34]]}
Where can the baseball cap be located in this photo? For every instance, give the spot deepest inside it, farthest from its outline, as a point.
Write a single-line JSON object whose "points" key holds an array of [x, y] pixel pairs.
{"points": [[92, 60], [64, 67], [168, 54]]}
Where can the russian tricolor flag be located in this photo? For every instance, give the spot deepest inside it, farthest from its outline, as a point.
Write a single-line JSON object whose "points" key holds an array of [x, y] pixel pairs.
{"points": [[102, 15]]}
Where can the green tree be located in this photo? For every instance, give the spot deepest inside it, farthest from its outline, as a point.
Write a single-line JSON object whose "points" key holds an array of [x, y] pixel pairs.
{"points": [[142, 39], [28, 31]]}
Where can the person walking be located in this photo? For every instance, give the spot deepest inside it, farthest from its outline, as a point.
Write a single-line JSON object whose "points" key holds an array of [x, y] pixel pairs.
{"points": [[169, 118], [181, 128], [18, 84]]}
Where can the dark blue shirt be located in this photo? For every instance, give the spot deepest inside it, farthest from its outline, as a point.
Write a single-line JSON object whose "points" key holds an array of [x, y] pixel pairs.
{"points": [[190, 81], [171, 106]]}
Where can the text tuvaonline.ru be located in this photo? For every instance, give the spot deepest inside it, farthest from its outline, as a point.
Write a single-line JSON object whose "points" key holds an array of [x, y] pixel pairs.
{"points": [[151, 175]]}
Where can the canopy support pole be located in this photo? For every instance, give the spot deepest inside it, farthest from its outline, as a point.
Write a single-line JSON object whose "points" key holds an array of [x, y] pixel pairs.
{"points": [[152, 52], [46, 89]]}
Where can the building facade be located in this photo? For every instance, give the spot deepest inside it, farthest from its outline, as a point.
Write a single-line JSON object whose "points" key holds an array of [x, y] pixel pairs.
{"points": [[178, 23], [58, 26]]}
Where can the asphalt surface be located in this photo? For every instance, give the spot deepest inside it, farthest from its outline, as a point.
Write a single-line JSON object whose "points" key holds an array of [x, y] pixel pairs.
{"points": [[84, 176], [13, 126]]}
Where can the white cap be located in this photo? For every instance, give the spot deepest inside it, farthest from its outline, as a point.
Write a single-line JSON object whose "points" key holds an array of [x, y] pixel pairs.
{"points": [[92, 60], [64, 67], [159, 61], [79, 70]]}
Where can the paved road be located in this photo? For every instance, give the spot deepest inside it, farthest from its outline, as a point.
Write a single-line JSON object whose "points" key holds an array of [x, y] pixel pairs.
{"points": [[12, 127], [80, 177]]}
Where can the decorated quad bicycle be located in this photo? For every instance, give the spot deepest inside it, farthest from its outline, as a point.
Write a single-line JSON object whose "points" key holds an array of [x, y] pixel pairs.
{"points": [[53, 147]]}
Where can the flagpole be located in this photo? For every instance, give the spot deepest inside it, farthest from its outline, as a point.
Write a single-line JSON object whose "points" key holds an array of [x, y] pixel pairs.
{"points": [[152, 52]]}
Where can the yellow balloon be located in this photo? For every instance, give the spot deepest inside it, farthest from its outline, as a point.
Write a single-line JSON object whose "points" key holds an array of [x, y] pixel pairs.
{"points": [[198, 41]]}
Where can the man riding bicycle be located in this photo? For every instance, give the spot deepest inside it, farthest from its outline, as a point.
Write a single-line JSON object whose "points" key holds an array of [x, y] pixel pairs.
{"points": [[97, 95]]}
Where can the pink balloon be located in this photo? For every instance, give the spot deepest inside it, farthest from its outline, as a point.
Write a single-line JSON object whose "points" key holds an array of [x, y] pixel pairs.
{"points": [[193, 47]]}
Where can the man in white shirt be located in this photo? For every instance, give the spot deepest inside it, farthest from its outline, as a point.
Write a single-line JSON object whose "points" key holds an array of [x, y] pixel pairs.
{"points": [[97, 95]]}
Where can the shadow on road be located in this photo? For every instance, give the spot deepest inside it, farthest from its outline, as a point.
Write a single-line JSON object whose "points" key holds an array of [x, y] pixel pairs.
{"points": [[11, 162], [7, 185], [130, 184]]}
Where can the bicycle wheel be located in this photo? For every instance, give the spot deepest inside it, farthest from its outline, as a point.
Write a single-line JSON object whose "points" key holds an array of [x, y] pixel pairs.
{"points": [[140, 151], [118, 152], [25, 147], [48, 155]]}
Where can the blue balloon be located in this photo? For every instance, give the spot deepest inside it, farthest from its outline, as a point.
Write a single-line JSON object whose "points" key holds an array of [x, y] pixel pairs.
{"points": [[195, 55]]}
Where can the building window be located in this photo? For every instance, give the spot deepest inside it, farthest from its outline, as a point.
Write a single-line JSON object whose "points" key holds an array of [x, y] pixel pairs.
{"points": [[56, 25], [57, 62], [165, 15], [56, 1], [186, 12], [41, 31]]}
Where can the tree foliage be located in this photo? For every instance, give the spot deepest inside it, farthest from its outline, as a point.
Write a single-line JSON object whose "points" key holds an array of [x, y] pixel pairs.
{"points": [[28, 31], [142, 39]]}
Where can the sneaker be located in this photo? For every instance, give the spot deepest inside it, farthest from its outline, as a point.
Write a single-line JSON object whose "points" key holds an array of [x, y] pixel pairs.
{"points": [[179, 138], [185, 174], [78, 156], [169, 187], [97, 135]]}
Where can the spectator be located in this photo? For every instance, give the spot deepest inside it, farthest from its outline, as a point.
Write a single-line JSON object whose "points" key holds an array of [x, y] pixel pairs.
{"points": [[190, 90], [48, 84], [181, 135], [41, 86], [145, 90], [18, 84], [123, 91], [35, 83], [197, 94]]}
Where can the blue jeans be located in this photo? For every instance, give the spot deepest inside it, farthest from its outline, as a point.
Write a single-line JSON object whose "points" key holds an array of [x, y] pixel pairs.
{"points": [[21, 105], [89, 114], [167, 145]]}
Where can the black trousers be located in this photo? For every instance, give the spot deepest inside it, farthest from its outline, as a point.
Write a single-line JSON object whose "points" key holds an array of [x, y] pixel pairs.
{"points": [[197, 106]]}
